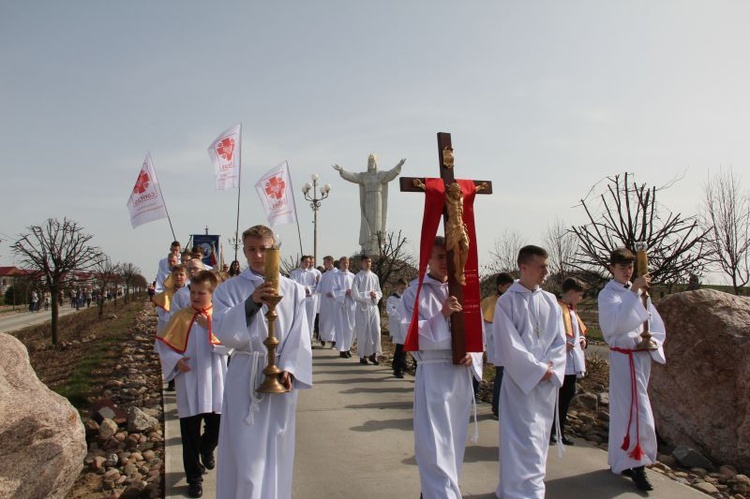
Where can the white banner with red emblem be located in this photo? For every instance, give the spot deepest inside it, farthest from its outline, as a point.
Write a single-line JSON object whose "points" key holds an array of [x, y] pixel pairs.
{"points": [[275, 193], [146, 203], [225, 155]]}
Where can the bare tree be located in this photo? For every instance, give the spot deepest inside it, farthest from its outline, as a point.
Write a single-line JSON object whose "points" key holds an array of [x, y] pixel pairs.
{"points": [[105, 274], [289, 263], [725, 215], [393, 261], [56, 249], [129, 272], [561, 243], [626, 212], [505, 253]]}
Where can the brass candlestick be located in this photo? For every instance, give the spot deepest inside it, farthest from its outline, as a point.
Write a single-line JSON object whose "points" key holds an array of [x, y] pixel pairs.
{"points": [[641, 269], [272, 384]]}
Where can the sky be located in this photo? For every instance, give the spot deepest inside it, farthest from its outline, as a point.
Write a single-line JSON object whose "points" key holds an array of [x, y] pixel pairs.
{"points": [[544, 98]]}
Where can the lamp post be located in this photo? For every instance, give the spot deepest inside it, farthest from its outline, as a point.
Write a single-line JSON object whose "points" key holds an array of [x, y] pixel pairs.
{"points": [[311, 192]]}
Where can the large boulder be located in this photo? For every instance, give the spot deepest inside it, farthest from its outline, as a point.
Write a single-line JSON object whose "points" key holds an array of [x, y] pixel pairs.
{"points": [[701, 397], [43, 438]]}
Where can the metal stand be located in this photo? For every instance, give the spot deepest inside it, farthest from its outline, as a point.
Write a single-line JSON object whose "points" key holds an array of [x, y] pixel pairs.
{"points": [[272, 384]]}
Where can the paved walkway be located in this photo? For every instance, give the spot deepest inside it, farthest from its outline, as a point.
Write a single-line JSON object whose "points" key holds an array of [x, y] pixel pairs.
{"points": [[15, 321], [355, 440]]}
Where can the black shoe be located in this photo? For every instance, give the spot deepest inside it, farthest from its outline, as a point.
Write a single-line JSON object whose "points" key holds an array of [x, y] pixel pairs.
{"points": [[553, 439], [567, 441], [627, 473], [195, 489], [398, 374], [208, 460], [374, 360], [333, 344], [343, 355], [640, 479], [322, 343], [170, 386], [348, 355], [363, 360]]}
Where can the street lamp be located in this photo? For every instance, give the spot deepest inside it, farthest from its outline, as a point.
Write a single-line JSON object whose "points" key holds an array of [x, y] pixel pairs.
{"points": [[311, 192]]}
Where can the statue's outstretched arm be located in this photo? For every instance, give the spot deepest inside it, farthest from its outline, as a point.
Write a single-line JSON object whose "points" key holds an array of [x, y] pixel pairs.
{"points": [[351, 177], [394, 172]]}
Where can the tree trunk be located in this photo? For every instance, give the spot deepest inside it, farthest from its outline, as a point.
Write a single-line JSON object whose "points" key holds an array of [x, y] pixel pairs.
{"points": [[55, 312]]}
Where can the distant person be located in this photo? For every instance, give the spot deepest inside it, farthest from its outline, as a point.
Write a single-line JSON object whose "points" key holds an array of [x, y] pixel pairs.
{"points": [[342, 293], [195, 358], [632, 434], [366, 292], [442, 391], [393, 307], [234, 268], [530, 345], [256, 441], [575, 343], [503, 280], [328, 305], [307, 279], [34, 302], [165, 264]]}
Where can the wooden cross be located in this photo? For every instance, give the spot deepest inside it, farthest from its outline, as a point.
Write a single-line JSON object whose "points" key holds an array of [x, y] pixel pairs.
{"points": [[412, 184]]}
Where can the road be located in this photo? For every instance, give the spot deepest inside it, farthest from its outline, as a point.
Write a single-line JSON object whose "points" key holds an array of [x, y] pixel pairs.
{"points": [[14, 321]]}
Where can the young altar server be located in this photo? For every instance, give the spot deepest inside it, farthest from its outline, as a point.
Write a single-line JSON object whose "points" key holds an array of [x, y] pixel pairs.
{"points": [[632, 435], [165, 265], [328, 305], [366, 292], [575, 343], [530, 345], [342, 293], [393, 307], [164, 300], [443, 392], [256, 441], [503, 280], [194, 357], [304, 276], [181, 298]]}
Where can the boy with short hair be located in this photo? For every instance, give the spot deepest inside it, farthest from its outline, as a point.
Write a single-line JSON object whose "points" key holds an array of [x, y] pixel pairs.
{"points": [[632, 434], [575, 342], [342, 293], [442, 391], [366, 292], [164, 300], [530, 345], [398, 335], [503, 280], [192, 356], [256, 442]]}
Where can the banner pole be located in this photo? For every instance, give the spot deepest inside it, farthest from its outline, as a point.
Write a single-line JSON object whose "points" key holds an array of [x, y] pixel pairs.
{"points": [[239, 189], [169, 219], [296, 217]]}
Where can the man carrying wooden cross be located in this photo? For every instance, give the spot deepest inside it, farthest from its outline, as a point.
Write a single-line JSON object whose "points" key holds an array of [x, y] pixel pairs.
{"points": [[444, 327]]}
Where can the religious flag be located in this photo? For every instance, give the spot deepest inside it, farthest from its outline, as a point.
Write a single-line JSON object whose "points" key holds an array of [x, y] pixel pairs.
{"points": [[275, 192], [225, 155], [146, 202]]}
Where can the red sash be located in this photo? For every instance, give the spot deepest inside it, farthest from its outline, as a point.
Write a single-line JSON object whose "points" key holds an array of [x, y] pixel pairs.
{"points": [[433, 210]]}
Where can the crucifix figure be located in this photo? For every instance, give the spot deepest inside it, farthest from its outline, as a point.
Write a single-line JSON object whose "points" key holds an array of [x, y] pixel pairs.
{"points": [[458, 221]]}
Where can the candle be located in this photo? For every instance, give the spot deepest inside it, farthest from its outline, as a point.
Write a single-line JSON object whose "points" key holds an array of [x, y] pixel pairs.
{"points": [[271, 270], [641, 259]]}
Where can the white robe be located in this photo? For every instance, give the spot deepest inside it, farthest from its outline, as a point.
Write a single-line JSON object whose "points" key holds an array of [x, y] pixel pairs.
{"points": [[256, 439], [181, 299], [529, 333], [162, 272], [328, 306], [621, 318], [342, 282], [575, 359], [316, 296], [393, 307], [367, 314], [201, 389], [307, 279], [443, 394]]}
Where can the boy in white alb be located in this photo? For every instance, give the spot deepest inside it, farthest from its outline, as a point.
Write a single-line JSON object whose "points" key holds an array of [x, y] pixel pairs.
{"points": [[394, 307], [342, 293], [366, 292], [443, 391], [195, 358], [632, 434], [328, 305], [530, 345]]}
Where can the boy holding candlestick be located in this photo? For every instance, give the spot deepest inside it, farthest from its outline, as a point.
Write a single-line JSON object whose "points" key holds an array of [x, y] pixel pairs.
{"points": [[256, 441], [622, 314]]}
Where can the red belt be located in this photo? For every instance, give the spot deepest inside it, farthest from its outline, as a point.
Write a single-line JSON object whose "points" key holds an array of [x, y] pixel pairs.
{"points": [[637, 452]]}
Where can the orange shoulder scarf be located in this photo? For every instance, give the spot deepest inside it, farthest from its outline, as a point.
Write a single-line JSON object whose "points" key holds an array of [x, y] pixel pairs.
{"points": [[568, 321], [175, 335]]}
